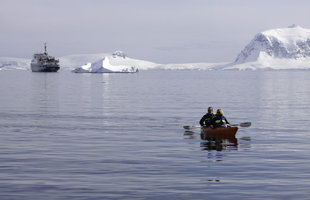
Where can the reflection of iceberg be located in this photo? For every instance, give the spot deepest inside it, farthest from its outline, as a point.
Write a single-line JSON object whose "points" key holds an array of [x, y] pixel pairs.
{"points": [[104, 66]]}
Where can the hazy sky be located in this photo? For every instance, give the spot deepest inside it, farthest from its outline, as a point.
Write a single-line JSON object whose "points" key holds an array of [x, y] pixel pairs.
{"points": [[162, 31]]}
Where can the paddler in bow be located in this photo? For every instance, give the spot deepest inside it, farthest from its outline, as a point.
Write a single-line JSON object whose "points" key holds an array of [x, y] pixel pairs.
{"points": [[219, 120]]}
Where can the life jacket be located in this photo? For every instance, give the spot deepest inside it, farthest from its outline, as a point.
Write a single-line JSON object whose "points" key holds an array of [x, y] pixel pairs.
{"points": [[219, 121], [209, 119]]}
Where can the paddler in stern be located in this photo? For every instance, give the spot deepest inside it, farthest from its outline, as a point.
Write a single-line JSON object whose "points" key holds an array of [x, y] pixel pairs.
{"points": [[206, 120]]}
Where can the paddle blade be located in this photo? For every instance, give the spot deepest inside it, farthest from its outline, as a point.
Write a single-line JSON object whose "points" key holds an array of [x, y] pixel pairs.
{"points": [[191, 127], [245, 124]]}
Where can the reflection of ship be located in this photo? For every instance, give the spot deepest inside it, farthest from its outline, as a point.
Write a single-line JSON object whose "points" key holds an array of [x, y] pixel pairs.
{"points": [[42, 62]]}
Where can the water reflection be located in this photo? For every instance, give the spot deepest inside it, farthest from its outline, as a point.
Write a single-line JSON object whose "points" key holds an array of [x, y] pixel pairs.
{"points": [[44, 92], [190, 135], [245, 143], [218, 143]]}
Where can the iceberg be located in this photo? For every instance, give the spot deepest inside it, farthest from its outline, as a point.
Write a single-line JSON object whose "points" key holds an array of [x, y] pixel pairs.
{"points": [[104, 66], [116, 59]]}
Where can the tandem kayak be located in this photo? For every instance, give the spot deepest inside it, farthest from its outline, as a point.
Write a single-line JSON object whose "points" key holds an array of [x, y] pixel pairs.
{"points": [[221, 132]]}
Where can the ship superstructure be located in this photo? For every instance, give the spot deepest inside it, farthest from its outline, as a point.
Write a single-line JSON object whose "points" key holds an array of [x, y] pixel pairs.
{"points": [[42, 62]]}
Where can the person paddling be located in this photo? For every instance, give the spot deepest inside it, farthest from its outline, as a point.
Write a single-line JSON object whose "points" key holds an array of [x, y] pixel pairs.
{"points": [[219, 120], [206, 120]]}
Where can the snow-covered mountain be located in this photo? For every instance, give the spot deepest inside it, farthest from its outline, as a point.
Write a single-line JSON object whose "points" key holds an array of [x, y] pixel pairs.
{"points": [[283, 48], [292, 42]]}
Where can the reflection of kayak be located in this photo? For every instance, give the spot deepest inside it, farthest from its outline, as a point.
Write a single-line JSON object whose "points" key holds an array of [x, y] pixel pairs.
{"points": [[221, 132]]}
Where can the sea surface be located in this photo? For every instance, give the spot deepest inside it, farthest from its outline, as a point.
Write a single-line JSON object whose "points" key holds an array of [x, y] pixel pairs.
{"points": [[120, 136]]}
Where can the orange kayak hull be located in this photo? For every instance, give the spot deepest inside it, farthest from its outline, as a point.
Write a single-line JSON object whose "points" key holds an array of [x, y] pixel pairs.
{"points": [[221, 132]]}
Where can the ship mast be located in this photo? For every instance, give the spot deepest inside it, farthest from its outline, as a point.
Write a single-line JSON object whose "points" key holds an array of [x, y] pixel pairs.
{"points": [[45, 52]]}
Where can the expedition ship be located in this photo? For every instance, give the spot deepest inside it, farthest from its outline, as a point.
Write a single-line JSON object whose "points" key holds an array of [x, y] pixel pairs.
{"points": [[42, 62]]}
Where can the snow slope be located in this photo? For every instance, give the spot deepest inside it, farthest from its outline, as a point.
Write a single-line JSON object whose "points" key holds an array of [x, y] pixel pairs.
{"points": [[14, 63], [265, 62], [190, 66]]}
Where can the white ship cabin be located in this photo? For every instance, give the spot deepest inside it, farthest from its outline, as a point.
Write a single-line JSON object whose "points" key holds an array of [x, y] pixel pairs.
{"points": [[39, 56]]}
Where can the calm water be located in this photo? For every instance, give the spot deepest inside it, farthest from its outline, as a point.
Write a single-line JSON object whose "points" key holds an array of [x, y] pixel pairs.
{"points": [[119, 136]]}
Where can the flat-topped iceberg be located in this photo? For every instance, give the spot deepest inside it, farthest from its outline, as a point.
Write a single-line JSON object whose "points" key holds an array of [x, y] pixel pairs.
{"points": [[104, 66]]}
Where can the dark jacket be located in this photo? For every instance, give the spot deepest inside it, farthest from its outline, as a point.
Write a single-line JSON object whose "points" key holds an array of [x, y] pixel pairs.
{"points": [[206, 120], [219, 121]]}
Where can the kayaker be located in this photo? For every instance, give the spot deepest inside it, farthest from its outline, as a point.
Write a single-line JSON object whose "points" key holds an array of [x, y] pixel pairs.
{"points": [[219, 120], [206, 120]]}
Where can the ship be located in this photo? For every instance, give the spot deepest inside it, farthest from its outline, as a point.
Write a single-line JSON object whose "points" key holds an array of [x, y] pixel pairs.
{"points": [[42, 62]]}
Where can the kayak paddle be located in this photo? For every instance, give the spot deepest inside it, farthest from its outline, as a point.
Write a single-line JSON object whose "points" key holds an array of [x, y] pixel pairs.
{"points": [[242, 124], [191, 127]]}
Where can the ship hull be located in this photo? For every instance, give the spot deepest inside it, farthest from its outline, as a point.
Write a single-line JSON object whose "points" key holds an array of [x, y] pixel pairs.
{"points": [[45, 68]]}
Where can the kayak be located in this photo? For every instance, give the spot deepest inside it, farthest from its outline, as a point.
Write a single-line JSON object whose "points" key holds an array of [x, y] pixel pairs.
{"points": [[221, 132]]}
